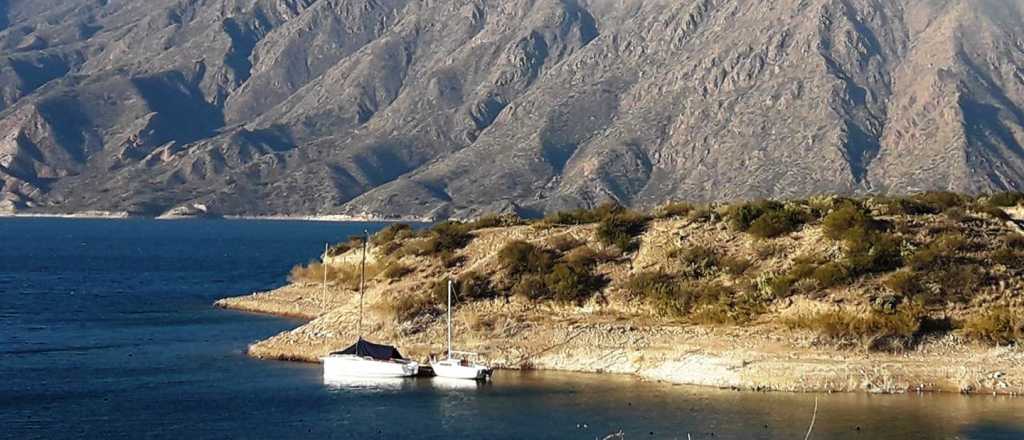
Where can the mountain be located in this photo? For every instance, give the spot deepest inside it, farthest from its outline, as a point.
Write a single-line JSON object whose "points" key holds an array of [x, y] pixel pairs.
{"points": [[436, 108]]}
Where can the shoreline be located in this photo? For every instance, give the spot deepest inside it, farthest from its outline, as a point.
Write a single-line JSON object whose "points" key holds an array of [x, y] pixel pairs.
{"points": [[103, 215], [755, 358]]}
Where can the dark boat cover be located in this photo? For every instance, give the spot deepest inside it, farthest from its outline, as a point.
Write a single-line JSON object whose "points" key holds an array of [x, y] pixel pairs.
{"points": [[376, 351]]}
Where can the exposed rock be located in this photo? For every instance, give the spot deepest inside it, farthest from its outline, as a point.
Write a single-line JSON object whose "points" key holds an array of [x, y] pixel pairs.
{"points": [[457, 107]]}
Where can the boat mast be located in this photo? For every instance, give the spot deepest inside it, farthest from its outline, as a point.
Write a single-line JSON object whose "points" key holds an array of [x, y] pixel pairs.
{"points": [[449, 318], [323, 293], [362, 281]]}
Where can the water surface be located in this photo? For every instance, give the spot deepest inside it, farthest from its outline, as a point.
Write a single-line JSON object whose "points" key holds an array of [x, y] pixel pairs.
{"points": [[106, 331]]}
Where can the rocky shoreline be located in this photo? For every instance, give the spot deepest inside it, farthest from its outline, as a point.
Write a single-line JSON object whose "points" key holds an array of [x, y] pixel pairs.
{"points": [[756, 358]]}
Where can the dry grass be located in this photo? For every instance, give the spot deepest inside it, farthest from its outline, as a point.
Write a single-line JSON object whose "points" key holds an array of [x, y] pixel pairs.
{"points": [[346, 275], [874, 331], [999, 326]]}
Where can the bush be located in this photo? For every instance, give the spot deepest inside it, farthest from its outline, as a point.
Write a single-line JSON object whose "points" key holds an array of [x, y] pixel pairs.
{"points": [[520, 257], [1005, 199], [705, 302], [905, 283], [698, 261], [874, 253], [905, 206], [735, 265], [532, 287], [939, 252], [702, 215], [563, 243], [1008, 257], [674, 210], [743, 215], [397, 271], [849, 223], [471, 286], [939, 201], [999, 326], [992, 211], [405, 308], [585, 216], [448, 237], [959, 283], [875, 331], [830, 275], [650, 285], [572, 284], [621, 229], [776, 223], [396, 231], [584, 256]]}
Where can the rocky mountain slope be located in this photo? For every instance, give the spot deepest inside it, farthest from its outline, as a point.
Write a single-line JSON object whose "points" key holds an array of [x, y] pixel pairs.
{"points": [[436, 108]]}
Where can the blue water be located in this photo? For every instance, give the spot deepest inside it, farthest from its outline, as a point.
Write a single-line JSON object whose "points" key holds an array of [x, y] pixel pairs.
{"points": [[106, 331]]}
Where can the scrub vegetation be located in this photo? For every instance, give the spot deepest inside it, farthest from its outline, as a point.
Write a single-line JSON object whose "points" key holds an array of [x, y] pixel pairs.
{"points": [[877, 274]]}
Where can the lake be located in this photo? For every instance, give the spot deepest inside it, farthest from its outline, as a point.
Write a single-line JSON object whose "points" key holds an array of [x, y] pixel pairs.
{"points": [[106, 331]]}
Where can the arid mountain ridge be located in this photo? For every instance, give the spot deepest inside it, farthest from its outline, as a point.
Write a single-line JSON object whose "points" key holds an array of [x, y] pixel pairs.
{"points": [[438, 108]]}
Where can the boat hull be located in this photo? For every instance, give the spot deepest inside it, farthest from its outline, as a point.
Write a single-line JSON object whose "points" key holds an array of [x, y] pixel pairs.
{"points": [[358, 366], [468, 372]]}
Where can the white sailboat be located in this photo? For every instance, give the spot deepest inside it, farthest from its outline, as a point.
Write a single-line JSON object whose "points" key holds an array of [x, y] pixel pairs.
{"points": [[366, 359], [461, 367]]}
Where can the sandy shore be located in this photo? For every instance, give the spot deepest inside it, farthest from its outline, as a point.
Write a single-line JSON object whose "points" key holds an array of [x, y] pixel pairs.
{"points": [[759, 357]]}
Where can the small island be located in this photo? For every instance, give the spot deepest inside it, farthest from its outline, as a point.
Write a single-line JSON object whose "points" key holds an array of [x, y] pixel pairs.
{"points": [[877, 294]]}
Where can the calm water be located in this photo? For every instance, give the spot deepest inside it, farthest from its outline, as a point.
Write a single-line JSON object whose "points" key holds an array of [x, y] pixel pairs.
{"points": [[106, 331]]}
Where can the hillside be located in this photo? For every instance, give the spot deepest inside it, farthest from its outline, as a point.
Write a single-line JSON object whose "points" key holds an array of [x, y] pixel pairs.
{"points": [[454, 108], [830, 294]]}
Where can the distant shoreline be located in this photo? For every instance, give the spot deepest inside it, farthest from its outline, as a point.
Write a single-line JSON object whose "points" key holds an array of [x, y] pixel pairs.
{"points": [[99, 215]]}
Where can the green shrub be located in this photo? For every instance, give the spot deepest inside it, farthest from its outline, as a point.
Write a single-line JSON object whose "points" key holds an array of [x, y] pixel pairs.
{"points": [[396, 231], [520, 257], [650, 285], [495, 221], [1005, 199], [849, 223], [397, 271], [958, 283], [735, 265], [450, 259], [1011, 252], [698, 261], [783, 285], [621, 229], [585, 216], [766, 218], [448, 237], [1008, 257], [992, 211], [905, 283], [943, 250], [674, 210], [702, 214], [999, 326], [874, 253], [532, 287], [1013, 241], [572, 284], [471, 286], [830, 275], [405, 308], [939, 201]]}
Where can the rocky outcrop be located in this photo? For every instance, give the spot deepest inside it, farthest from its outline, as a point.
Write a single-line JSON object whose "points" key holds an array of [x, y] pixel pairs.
{"points": [[411, 108]]}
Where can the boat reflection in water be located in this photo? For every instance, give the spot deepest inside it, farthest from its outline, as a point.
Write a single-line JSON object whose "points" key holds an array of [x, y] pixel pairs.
{"points": [[455, 384], [369, 383]]}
